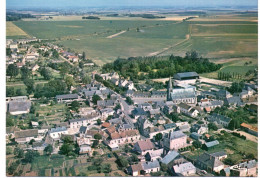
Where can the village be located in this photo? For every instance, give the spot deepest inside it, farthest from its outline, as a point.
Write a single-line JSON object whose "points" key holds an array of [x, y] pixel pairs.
{"points": [[117, 127]]}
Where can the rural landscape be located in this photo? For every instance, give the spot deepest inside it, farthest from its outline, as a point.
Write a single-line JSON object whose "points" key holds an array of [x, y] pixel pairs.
{"points": [[132, 90]]}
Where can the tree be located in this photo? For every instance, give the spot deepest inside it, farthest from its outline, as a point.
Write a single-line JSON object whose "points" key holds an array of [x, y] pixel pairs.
{"points": [[127, 148], [10, 91], [95, 98], [118, 106], [45, 73], [55, 54], [86, 79], [99, 122], [75, 105], [30, 155], [18, 152], [97, 136], [106, 168], [122, 162], [31, 141], [69, 82], [164, 167], [197, 144], [83, 55], [67, 140], [212, 126], [66, 149], [234, 124], [8, 51], [158, 136], [48, 149], [222, 173], [64, 68], [29, 83], [95, 143], [129, 100], [12, 71], [9, 150], [9, 122], [25, 72]]}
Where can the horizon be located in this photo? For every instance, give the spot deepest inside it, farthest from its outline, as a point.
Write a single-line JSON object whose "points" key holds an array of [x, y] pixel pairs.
{"points": [[65, 4]]}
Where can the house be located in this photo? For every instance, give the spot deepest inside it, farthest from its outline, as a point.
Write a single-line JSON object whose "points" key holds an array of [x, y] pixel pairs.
{"points": [[67, 97], [183, 126], [184, 169], [39, 146], [188, 110], [106, 112], [34, 124], [220, 119], [200, 129], [221, 155], [175, 140], [135, 169], [246, 92], [26, 135], [152, 166], [222, 94], [195, 136], [170, 157], [154, 155], [137, 112], [144, 146], [120, 138], [209, 145], [245, 169], [19, 107], [106, 103], [35, 67], [250, 129], [84, 149], [87, 120], [233, 101], [209, 163], [56, 133]]}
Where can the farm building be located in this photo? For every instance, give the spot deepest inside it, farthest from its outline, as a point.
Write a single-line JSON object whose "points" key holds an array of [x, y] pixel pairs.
{"points": [[19, 107], [250, 129], [209, 145], [186, 76], [67, 97]]}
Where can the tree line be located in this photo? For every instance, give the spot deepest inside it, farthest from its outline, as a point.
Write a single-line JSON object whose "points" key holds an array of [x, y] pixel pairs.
{"points": [[140, 68]]}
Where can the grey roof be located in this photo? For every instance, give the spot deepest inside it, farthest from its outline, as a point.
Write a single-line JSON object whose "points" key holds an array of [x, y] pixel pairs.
{"points": [[212, 143], [15, 106], [106, 103], [195, 135], [183, 167], [234, 100], [222, 93], [220, 117], [82, 129], [58, 129], [169, 126], [106, 110], [187, 74], [159, 92], [182, 95], [216, 103], [89, 93], [138, 112], [169, 157], [151, 165], [177, 134], [77, 120], [249, 164], [185, 106], [68, 96], [209, 160]]}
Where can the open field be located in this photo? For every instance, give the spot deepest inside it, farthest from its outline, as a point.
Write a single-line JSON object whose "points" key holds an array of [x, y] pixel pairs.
{"points": [[13, 31], [214, 36]]}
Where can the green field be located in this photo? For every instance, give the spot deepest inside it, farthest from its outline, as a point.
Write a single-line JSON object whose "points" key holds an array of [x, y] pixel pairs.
{"points": [[213, 37]]}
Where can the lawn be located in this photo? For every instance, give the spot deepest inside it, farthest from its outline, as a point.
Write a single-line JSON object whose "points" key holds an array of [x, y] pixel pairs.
{"points": [[235, 148], [44, 162]]}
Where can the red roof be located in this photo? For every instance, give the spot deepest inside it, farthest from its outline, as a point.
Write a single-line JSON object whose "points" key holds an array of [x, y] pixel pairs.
{"points": [[105, 124], [207, 109], [145, 145], [249, 127]]}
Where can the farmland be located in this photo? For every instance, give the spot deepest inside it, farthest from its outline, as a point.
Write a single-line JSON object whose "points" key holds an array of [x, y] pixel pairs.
{"points": [[13, 31], [215, 37]]}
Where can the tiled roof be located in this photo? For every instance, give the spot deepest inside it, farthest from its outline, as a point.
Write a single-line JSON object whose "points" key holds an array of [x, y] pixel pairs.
{"points": [[249, 127], [209, 160], [58, 129], [177, 134], [218, 154], [15, 106], [145, 145]]}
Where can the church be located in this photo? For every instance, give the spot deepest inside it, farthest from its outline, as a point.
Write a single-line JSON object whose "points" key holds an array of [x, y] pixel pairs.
{"points": [[184, 94]]}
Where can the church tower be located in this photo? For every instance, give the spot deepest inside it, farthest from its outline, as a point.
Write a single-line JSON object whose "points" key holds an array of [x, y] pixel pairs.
{"points": [[169, 89]]}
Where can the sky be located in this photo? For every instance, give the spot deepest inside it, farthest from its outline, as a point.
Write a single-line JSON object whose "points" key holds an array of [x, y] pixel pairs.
{"points": [[126, 3]]}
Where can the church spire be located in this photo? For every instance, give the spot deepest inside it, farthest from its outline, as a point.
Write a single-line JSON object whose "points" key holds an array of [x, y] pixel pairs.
{"points": [[169, 89]]}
